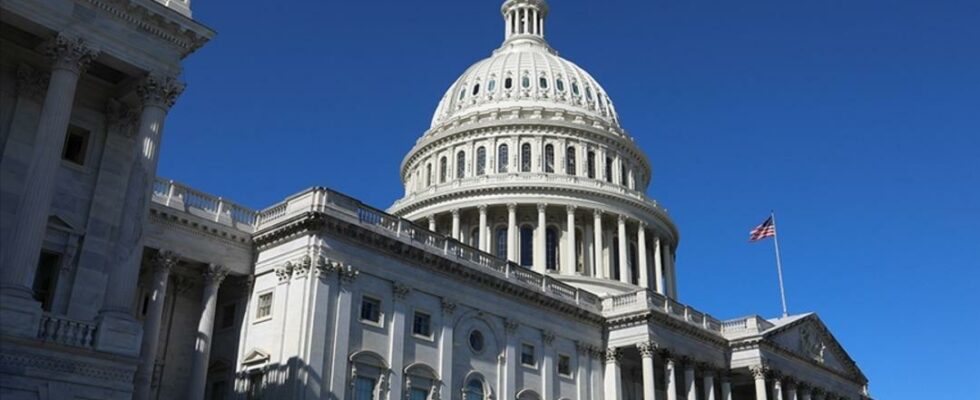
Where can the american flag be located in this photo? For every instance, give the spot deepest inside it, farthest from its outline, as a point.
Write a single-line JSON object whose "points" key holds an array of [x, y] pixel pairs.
{"points": [[764, 230]]}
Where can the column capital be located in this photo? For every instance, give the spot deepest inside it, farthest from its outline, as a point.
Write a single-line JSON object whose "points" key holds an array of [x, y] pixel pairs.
{"points": [[69, 53], [347, 273], [647, 349], [571, 208], [642, 224], [448, 305], [548, 337], [597, 213], [432, 218], [482, 208], [214, 274], [613, 355], [621, 218], [164, 260], [511, 206], [542, 207], [759, 371], [158, 91], [400, 291], [455, 212]]}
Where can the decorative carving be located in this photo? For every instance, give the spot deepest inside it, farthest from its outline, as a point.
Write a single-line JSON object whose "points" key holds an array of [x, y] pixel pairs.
{"points": [[303, 267], [811, 345], [324, 266], [759, 371], [159, 91], [542, 207], [510, 325], [448, 306], [647, 349], [347, 273], [165, 260], [69, 53], [582, 348], [571, 208], [597, 213], [182, 284], [400, 291], [32, 84], [548, 337], [613, 355], [214, 274], [283, 272]]}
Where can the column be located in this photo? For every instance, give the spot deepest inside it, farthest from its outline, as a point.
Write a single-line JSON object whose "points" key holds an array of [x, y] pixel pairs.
{"points": [[759, 374], [213, 276], [568, 264], [432, 223], [540, 259], [649, 376], [726, 386], [446, 348], [658, 266], [583, 363], [511, 359], [455, 213], [613, 376], [709, 384], [512, 232], [670, 373], [600, 266], [162, 264], [777, 389], [548, 370], [70, 58], [339, 367], [804, 391], [641, 249], [396, 348], [791, 390], [689, 384], [624, 269], [482, 235], [669, 285]]}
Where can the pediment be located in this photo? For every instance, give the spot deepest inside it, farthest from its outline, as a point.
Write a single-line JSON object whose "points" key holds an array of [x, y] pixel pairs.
{"points": [[255, 356], [56, 222], [810, 339]]}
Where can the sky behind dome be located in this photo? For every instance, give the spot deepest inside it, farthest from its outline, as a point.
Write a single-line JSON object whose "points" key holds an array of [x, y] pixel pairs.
{"points": [[857, 121]]}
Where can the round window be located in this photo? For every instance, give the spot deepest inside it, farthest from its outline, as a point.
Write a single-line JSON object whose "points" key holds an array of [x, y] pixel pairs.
{"points": [[476, 341]]}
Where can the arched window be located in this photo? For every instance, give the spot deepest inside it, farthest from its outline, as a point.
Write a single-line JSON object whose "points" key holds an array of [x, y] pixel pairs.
{"points": [[590, 163], [502, 158], [622, 174], [551, 248], [508, 83], [501, 237], [543, 82], [474, 390], [560, 85], [428, 175], [491, 85], [460, 165], [526, 157], [570, 160], [525, 82], [579, 252], [527, 246], [615, 256], [575, 88], [475, 237], [443, 164], [588, 93], [609, 169], [481, 160], [476, 89], [633, 265], [549, 158], [462, 92]]}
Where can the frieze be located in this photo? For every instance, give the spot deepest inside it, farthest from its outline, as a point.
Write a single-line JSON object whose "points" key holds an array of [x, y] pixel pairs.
{"points": [[153, 23], [66, 366]]}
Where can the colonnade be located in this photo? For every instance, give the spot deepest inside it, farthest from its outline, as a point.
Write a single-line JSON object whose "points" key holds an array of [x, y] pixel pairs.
{"points": [[771, 384], [586, 241], [211, 277]]}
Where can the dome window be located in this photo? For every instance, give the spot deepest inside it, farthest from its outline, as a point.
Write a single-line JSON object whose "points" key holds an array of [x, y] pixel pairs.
{"points": [[508, 83], [575, 88], [491, 85], [525, 82], [502, 159], [476, 89], [481, 160], [543, 82], [526, 157], [462, 93], [560, 85], [460, 165], [588, 93], [570, 160], [549, 158]]}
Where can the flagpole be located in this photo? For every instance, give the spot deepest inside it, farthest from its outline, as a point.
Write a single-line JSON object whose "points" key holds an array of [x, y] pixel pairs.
{"points": [[779, 263]]}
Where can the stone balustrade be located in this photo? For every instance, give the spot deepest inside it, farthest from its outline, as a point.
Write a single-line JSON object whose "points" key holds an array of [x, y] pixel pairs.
{"points": [[181, 197], [644, 300], [66, 331]]}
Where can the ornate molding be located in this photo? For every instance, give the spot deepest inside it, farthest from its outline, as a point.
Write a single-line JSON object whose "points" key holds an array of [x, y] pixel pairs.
{"points": [[347, 273], [325, 266], [165, 260], [284, 272], [448, 306], [214, 274], [400, 291], [69, 53], [613, 355], [159, 91], [154, 23], [759, 371], [510, 325], [303, 267], [64, 365], [648, 349], [548, 337]]}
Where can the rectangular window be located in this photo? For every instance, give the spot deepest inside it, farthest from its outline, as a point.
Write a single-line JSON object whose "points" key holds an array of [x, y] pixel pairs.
{"points": [[76, 145], [370, 309], [422, 324], [564, 365], [419, 394], [263, 308], [364, 388], [228, 316], [527, 355], [255, 381], [46, 278]]}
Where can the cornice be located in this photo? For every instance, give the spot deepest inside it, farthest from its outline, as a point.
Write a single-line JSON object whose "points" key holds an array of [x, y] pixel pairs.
{"points": [[158, 20], [318, 222], [649, 316], [181, 220]]}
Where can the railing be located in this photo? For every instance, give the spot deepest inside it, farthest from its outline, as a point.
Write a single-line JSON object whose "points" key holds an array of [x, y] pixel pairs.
{"points": [[178, 196], [646, 300], [66, 331]]}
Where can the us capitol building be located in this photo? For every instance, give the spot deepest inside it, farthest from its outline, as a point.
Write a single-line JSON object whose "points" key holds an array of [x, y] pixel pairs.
{"points": [[524, 261]]}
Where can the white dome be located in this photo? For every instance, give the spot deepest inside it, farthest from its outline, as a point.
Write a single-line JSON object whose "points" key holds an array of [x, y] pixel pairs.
{"points": [[538, 77]]}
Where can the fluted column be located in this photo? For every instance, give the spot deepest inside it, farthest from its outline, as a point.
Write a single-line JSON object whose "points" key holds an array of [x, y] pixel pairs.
{"points": [[670, 373], [568, 264], [658, 266], [709, 384], [726, 386], [455, 213], [777, 389], [22, 247], [613, 375], [162, 264], [213, 276], [641, 249], [156, 94], [647, 351], [759, 374], [512, 232], [482, 235], [540, 258], [624, 268], [600, 266], [689, 383]]}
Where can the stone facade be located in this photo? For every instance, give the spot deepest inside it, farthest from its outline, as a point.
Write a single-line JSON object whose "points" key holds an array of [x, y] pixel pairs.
{"points": [[524, 261]]}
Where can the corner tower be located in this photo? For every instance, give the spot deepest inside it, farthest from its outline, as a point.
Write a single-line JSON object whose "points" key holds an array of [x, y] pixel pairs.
{"points": [[526, 159]]}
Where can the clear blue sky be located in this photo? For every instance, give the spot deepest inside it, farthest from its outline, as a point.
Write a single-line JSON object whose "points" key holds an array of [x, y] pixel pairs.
{"points": [[857, 121]]}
